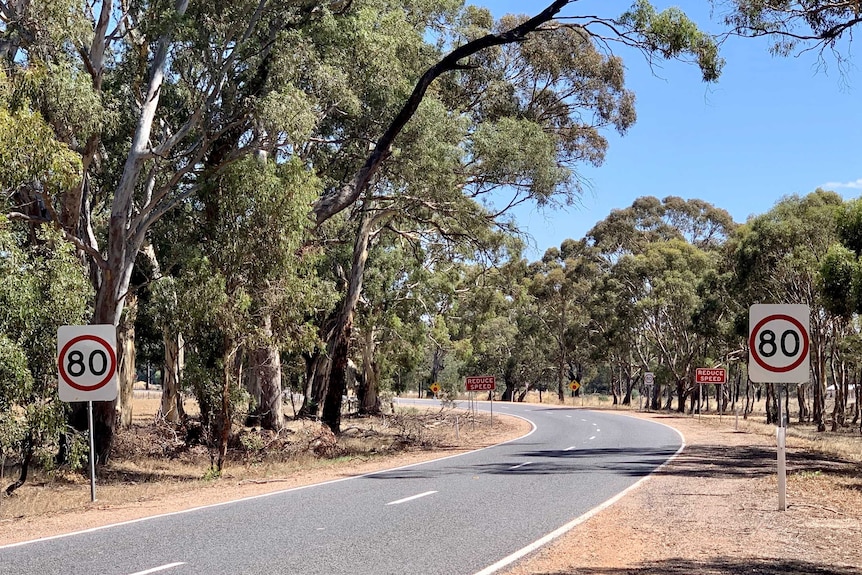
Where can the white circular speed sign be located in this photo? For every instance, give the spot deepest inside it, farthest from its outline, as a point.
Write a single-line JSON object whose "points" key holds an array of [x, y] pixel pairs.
{"points": [[778, 343], [87, 362]]}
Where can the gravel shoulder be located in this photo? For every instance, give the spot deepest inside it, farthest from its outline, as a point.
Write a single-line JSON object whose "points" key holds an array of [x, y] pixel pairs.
{"points": [[713, 510]]}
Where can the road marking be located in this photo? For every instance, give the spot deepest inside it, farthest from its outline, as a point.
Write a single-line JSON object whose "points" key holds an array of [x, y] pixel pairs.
{"points": [[569, 416], [571, 448], [593, 437], [157, 569], [406, 499], [519, 466], [533, 429], [506, 561], [583, 420]]}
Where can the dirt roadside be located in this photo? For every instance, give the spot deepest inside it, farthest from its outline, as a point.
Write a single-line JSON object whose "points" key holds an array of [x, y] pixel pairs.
{"points": [[714, 511]]}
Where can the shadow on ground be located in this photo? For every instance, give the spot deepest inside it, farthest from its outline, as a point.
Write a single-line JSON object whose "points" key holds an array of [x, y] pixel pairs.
{"points": [[719, 566], [714, 461]]}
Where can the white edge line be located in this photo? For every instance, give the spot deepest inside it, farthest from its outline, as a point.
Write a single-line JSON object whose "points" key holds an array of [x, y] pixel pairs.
{"points": [[271, 494], [411, 498], [506, 561], [157, 569]]}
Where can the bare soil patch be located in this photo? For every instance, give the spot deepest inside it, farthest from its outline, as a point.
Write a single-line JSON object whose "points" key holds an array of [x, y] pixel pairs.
{"points": [[714, 511], [157, 470]]}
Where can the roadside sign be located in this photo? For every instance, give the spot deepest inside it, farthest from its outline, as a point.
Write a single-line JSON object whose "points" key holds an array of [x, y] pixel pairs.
{"points": [[778, 343], [574, 385], [649, 378], [87, 362], [480, 383], [710, 375], [435, 387]]}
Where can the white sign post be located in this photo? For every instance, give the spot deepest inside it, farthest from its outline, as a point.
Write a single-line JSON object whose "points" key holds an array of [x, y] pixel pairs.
{"points": [[778, 352], [649, 380], [87, 369]]}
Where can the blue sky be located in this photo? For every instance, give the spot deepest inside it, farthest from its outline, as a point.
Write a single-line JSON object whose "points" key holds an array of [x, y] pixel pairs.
{"points": [[770, 127]]}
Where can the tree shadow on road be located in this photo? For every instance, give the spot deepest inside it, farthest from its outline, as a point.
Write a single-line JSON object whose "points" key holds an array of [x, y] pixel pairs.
{"points": [[718, 566]]}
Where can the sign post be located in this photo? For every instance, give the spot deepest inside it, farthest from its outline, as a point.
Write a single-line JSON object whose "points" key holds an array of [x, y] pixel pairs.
{"points": [[87, 369], [649, 380], [574, 386], [716, 375], [482, 383], [778, 352]]}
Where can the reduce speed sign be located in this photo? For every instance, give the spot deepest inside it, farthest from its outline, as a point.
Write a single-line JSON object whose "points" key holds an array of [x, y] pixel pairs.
{"points": [[778, 343], [87, 362]]}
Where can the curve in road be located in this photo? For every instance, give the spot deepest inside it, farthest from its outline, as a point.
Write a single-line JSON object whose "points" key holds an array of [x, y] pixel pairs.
{"points": [[470, 513]]}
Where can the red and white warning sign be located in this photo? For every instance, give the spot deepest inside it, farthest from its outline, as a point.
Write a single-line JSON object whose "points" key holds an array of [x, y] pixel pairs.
{"points": [[778, 343], [480, 383], [710, 375], [87, 362]]}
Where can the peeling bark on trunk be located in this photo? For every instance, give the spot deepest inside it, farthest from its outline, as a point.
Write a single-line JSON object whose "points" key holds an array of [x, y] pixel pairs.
{"points": [[172, 376], [224, 420], [339, 340], [267, 372], [368, 390], [126, 373]]}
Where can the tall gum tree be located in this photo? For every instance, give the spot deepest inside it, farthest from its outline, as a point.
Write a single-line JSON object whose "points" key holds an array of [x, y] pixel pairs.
{"points": [[150, 96], [668, 34]]}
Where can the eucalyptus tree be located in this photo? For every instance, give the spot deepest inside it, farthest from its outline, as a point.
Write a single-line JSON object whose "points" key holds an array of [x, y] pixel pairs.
{"points": [[244, 289], [778, 260], [500, 331], [42, 286], [646, 246], [150, 95], [793, 24], [524, 106], [562, 284]]}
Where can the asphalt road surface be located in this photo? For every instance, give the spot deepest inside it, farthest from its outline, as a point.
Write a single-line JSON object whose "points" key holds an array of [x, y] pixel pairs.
{"points": [[462, 515]]}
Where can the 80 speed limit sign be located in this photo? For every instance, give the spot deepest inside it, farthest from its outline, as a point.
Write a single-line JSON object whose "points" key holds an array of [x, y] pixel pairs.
{"points": [[778, 343], [87, 362]]}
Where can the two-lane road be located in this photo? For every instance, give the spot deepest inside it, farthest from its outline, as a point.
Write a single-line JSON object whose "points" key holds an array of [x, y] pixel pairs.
{"points": [[458, 515]]}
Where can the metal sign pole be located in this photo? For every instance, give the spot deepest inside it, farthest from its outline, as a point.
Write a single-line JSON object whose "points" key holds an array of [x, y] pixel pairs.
{"points": [[92, 452], [782, 464]]}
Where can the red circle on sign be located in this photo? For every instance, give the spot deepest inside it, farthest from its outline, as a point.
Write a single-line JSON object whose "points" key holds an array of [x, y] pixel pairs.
{"points": [[802, 356], [111, 356]]}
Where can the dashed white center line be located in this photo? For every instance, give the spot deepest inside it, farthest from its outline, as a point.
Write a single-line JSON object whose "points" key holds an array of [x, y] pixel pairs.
{"points": [[411, 498], [571, 448], [569, 416], [520, 466], [157, 569], [593, 437], [583, 420]]}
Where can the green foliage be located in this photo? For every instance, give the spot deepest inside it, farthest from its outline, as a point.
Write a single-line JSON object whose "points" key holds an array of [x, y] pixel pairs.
{"points": [[29, 152], [42, 287], [672, 34], [837, 270]]}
